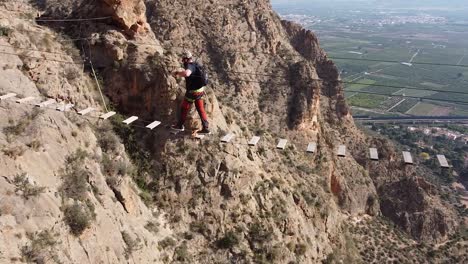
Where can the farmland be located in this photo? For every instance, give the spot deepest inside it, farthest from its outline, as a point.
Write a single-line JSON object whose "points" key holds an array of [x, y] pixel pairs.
{"points": [[369, 47]]}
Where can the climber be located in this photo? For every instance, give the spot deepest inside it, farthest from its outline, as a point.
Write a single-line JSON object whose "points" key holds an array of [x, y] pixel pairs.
{"points": [[196, 80]]}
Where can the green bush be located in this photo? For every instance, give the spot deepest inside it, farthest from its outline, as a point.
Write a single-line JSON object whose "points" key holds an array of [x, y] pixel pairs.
{"points": [[75, 176], [75, 183], [181, 253], [108, 141], [260, 233], [4, 31], [132, 244], [167, 242], [153, 227], [200, 227], [41, 247], [23, 123], [229, 240], [112, 167], [300, 249], [78, 217], [23, 185]]}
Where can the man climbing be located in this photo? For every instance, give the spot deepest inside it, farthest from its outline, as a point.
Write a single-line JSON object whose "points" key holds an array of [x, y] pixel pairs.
{"points": [[196, 80]]}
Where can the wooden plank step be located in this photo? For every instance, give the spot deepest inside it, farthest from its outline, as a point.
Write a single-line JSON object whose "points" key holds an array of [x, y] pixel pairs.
{"points": [[153, 125], [227, 138], [24, 100], [374, 154], [342, 151], [65, 107], [46, 103], [282, 144], [312, 147], [443, 161], [86, 111], [254, 141], [6, 96], [407, 157], [130, 120], [107, 115]]}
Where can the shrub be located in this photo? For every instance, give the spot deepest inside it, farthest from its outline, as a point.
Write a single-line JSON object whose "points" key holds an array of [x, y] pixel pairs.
{"points": [[146, 197], [112, 167], [20, 127], [78, 218], [75, 177], [108, 141], [5, 31], [41, 248], [13, 152], [300, 249], [35, 145], [229, 240], [259, 233], [71, 74], [23, 185], [181, 253], [167, 242], [200, 227], [132, 244], [153, 227]]}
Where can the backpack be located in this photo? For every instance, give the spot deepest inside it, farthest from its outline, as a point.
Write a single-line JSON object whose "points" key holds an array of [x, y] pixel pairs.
{"points": [[203, 74]]}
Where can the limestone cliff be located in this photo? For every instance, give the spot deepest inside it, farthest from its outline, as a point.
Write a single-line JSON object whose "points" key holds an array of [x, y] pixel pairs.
{"points": [[224, 203]]}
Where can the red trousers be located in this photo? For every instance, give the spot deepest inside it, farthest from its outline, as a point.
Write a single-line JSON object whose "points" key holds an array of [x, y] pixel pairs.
{"points": [[199, 104]]}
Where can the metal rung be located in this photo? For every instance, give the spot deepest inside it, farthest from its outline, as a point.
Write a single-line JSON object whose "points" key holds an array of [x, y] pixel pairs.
{"points": [[407, 157], [374, 155], [227, 138], [312, 147], [6, 96], [153, 125], [86, 111], [46, 103], [107, 115], [342, 151], [24, 100], [64, 108], [254, 141], [443, 161], [282, 144], [130, 120]]}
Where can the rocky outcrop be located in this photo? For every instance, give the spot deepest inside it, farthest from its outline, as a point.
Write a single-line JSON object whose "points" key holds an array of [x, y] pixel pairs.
{"points": [[51, 212], [304, 41], [130, 14], [411, 205]]}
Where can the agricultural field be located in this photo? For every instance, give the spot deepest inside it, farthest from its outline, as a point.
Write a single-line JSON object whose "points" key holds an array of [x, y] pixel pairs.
{"points": [[369, 47]]}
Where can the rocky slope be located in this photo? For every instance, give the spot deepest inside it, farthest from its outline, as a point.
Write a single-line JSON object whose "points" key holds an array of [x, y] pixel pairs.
{"points": [[224, 203], [55, 176]]}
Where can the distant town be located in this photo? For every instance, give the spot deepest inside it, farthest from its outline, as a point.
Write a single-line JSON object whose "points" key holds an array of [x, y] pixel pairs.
{"points": [[381, 19]]}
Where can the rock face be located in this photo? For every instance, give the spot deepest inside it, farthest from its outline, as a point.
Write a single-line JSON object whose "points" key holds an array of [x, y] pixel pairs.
{"points": [[222, 202], [408, 203], [37, 147], [130, 14]]}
